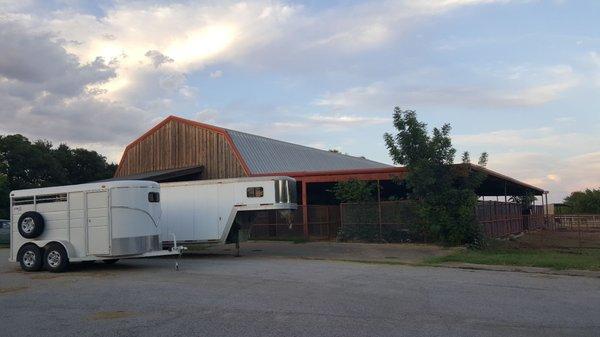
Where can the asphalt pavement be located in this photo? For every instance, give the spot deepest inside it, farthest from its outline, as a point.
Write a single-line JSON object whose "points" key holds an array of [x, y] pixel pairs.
{"points": [[254, 295]]}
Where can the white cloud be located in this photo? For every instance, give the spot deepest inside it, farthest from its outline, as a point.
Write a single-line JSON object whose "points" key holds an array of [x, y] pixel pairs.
{"points": [[594, 57], [558, 161], [543, 85], [216, 74], [365, 26], [345, 120], [158, 58], [567, 173], [145, 41], [120, 72], [47, 93], [565, 119], [518, 86], [356, 97], [539, 138], [182, 37]]}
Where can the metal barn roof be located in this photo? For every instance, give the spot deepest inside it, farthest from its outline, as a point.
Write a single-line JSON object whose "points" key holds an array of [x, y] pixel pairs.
{"points": [[265, 155], [261, 156]]}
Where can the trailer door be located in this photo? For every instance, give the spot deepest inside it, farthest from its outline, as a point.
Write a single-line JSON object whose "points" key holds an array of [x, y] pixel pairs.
{"points": [[207, 212], [226, 203], [98, 231]]}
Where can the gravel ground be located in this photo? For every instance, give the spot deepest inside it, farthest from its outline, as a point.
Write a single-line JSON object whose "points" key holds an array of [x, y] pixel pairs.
{"points": [[220, 295]]}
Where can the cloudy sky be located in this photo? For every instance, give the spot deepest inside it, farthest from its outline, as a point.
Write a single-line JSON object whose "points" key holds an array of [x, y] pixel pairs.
{"points": [[519, 79]]}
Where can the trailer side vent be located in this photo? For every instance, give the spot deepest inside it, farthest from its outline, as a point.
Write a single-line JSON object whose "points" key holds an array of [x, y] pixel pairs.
{"points": [[255, 192]]}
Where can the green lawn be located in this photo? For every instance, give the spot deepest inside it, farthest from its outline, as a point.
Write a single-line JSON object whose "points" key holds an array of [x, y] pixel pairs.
{"points": [[585, 259]]}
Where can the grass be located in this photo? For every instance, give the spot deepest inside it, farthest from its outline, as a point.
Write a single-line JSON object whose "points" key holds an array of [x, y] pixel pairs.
{"points": [[587, 259], [546, 249]]}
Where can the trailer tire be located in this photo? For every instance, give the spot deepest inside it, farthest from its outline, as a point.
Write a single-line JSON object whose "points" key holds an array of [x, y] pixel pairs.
{"points": [[56, 259], [31, 225], [30, 257], [111, 261]]}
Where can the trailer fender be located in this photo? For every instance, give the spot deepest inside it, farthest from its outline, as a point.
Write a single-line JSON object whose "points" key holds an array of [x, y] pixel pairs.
{"points": [[68, 247]]}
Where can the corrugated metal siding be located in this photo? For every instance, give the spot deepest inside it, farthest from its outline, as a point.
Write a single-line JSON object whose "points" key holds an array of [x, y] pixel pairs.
{"points": [[265, 155]]}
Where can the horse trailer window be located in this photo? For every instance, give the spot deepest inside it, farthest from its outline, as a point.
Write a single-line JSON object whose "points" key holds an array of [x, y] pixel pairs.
{"points": [[154, 197], [255, 192], [44, 199], [23, 201]]}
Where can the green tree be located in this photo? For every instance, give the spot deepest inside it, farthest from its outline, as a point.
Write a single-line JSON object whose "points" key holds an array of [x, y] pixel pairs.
{"points": [[30, 165], [444, 193], [4, 204], [82, 166], [584, 202], [354, 191], [526, 201]]}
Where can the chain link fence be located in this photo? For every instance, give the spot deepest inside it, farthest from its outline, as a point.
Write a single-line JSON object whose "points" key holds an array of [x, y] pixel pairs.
{"points": [[386, 221], [323, 224], [393, 221]]}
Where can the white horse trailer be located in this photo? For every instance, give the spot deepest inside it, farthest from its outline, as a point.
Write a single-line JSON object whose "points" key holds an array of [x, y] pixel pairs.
{"points": [[204, 211], [99, 221]]}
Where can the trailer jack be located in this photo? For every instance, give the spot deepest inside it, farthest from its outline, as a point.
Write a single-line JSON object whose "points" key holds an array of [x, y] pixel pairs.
{"points": [[178, 249]]}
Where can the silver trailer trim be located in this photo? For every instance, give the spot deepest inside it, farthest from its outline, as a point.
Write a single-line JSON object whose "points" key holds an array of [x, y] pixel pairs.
{"points": [[134, 245]]}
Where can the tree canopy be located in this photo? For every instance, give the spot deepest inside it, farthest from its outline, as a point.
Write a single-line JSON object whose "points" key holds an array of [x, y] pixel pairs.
{"points": [[24, 164], [444, 192], [354, 191], [584, 202]]}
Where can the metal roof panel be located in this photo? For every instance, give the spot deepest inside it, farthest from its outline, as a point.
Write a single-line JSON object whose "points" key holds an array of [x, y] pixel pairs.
{"points": [[265, 155]]}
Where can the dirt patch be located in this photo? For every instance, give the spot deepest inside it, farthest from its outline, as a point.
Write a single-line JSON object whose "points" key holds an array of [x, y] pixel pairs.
{"points": [[559, 239], [44, 276], [368, 252], [116, 314], [9, 290]]}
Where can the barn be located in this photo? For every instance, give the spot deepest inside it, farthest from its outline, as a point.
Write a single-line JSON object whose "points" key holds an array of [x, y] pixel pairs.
{"points": [[179, 149]]}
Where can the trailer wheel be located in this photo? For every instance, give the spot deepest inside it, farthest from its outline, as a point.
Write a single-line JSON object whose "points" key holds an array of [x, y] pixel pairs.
{"points": [[111, 261], [56, 258], [30, 257], [31, 225]]}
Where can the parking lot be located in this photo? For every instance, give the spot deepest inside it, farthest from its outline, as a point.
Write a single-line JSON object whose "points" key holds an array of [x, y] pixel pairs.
{"points": [[268, 295]]}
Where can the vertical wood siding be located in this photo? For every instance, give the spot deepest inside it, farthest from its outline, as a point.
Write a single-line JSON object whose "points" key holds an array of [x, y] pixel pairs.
{"points": [[178, 145]]}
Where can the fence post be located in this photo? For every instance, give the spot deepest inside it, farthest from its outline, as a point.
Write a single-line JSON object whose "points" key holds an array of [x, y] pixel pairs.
{"points": [[379, 208], [342, 217], [305, 210]]}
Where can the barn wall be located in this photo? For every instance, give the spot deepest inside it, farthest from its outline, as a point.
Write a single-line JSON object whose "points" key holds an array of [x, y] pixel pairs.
{"points": [[179, 145]]}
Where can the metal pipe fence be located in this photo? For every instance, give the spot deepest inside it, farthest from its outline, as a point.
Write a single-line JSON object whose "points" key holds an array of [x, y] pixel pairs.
{"points": [[586, 222]]}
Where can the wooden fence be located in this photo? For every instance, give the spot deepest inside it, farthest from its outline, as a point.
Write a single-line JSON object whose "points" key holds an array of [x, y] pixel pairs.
{"points": [[500, 219]]}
